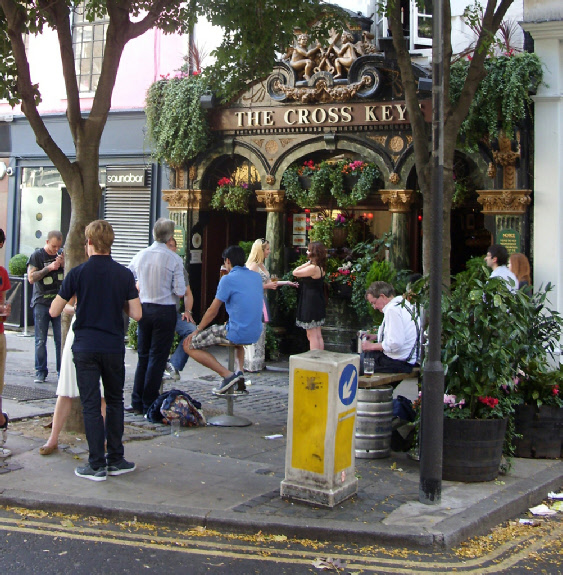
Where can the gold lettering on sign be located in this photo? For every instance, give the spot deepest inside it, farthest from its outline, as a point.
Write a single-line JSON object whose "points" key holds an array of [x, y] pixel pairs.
{"points": [[333, 115], [346, 114], [286, 117], [401, 111], [253, 118], [239, 115], [386, 113], [318, 112], [268, 118], [303, 116], [370, 114]]}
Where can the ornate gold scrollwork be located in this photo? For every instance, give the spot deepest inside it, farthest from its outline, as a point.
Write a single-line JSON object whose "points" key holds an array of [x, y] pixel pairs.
{"points": [[509, 202], [184, 199], [272, 199], [322, 92], [399, 200]]}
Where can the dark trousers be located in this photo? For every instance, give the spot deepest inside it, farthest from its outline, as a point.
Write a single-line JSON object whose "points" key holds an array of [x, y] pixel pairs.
{"points": [[42, 319], [384, 364], [111, 368], [155, 335]]}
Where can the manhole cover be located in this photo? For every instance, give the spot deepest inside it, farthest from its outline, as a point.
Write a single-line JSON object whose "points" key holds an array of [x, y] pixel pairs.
{"points": [[25, 393]]}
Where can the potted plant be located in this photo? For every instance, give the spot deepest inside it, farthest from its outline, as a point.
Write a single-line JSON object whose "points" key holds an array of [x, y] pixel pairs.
{"points": [[17, 268], [351, 182], [308, 184], [539, 419], [231, 196]]}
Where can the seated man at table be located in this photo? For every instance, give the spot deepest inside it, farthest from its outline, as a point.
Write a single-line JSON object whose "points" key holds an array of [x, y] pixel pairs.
{"points": [[242, 293], [396, 345]]}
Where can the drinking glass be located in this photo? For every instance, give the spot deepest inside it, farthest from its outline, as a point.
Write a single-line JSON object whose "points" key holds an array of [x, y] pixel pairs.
{"points": [[369, 365], [175, 427]]}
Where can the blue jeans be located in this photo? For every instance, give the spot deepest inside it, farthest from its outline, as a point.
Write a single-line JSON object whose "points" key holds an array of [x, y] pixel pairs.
{"points": [[42, 319], [111, 368], [183, 329], [155, 335]]}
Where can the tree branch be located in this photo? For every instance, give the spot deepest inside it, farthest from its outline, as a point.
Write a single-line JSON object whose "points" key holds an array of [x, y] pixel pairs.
{"points": [[15, 18]]}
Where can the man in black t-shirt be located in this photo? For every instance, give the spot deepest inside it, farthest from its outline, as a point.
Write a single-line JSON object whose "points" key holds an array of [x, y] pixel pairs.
{"points": [[104, 290], [45, 271]]}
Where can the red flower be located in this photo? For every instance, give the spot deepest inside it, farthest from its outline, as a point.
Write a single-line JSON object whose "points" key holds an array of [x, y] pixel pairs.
{"points": [[555, 389], [224, 182], [491, 402]]}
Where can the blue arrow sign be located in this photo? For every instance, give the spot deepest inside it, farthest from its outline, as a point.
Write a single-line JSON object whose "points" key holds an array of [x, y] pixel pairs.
{"points": [[348, 384]]}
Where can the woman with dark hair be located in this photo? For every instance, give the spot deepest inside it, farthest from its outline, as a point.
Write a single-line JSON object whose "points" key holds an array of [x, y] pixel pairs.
{"points": [[519, 265], [311, 303]]}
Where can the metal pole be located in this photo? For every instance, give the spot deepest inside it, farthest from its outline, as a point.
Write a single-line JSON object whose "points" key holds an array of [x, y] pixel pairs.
{"points": [[432, 415]]}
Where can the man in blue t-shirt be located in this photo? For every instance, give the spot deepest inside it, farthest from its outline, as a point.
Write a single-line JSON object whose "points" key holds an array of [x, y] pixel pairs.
{"points": [[242, 293], [104, 290]]}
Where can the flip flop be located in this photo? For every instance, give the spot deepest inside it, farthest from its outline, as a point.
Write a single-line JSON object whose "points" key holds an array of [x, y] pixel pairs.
{"points": [[47, 449]]}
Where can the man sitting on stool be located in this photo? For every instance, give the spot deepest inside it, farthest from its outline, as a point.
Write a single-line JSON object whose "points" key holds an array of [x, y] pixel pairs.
{"points": [[397, 341], [242, 293]]}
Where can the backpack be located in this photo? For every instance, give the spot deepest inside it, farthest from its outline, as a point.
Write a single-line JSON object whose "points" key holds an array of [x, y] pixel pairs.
{"points": [[176, 404]]}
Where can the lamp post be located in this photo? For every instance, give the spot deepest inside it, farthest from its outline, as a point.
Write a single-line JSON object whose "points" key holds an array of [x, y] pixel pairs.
{"points": [[432, 414]]}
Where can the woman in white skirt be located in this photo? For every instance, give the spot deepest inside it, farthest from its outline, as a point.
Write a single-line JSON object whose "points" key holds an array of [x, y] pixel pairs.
{"points": [[67, 389]]}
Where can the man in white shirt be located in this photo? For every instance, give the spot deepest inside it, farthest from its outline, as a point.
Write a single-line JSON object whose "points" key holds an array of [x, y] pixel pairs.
{"points": [[160, 276], [496, 259], [397, 342]]}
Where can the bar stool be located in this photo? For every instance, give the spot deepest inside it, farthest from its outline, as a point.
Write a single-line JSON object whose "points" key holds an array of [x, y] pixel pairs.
{"points": [[229, 419]]}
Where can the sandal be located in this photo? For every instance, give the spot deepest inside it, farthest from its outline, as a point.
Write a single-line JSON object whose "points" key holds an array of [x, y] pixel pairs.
{"points": [[47, 449]]}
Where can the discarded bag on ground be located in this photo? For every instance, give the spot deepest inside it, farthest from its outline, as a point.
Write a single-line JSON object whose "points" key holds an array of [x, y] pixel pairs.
{"points": [[176, 404]]}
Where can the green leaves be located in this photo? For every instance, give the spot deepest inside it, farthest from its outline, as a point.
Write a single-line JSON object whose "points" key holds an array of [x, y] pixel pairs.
{"points": [[177, 124]]}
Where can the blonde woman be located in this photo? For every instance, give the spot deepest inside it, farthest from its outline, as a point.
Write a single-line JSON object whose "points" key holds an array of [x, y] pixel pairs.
{"points": [[255, 354]]}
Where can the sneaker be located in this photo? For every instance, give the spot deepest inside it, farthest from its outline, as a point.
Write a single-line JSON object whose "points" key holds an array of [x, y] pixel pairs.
{"points": [[230, 382], [121, 467], [171, 372], [40, 378], [88, 472]]}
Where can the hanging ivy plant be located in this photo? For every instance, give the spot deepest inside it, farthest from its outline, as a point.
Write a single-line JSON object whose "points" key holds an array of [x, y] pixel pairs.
{"points": [[177, 124], [503, 97]]}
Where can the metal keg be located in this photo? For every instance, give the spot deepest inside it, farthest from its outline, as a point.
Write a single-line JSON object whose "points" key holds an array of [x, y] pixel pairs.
{"points": [[373, 423]]}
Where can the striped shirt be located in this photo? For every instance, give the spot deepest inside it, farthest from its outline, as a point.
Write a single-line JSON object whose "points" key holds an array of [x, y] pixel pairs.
{"points": [[160, 273]]}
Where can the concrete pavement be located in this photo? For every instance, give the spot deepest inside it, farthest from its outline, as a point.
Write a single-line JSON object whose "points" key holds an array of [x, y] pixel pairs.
{"points": [[229, 478]]}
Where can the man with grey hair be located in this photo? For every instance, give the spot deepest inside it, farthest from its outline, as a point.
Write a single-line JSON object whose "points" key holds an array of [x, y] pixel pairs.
{"points": [[396, 345], [160, 278]]}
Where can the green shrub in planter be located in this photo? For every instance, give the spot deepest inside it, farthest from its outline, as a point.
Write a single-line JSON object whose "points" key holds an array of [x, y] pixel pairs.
{"points": [[17, 266]]}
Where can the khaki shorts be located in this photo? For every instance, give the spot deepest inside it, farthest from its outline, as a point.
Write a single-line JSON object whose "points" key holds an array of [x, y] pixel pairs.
{"points": [[214, 335]]}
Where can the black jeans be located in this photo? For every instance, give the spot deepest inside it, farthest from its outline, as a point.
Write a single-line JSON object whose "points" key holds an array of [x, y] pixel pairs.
{"points": [[155, 336], [111, 368]]}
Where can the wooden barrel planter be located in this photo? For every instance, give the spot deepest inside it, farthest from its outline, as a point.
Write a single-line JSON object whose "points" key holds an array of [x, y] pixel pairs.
{"points": [[373, 423], [541, 430], [472, 449]]}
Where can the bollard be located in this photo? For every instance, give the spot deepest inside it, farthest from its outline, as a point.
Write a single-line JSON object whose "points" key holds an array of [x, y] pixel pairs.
{"points": [[319, 460]]}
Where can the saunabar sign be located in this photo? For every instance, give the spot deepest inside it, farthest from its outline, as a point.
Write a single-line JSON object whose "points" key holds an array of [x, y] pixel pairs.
{"points": [[125, 177]]}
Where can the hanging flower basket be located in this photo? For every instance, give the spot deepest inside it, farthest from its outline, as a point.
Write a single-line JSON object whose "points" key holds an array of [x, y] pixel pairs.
{"points": [[231, 197], [347, 182]]}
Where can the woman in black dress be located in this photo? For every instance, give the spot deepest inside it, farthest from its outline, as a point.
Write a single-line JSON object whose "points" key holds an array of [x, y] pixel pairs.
{"points": [[311, 304]]}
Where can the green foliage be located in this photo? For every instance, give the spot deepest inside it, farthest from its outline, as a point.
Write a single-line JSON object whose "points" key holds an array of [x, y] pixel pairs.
{"points": [[538, 385], [365, 253], [503, 97], [322, 230], [272, 344], [286, 298], [488, 335], [328, 179], [17, 265], [177, 124], [233, 198], [246, 246], [255, 31]]}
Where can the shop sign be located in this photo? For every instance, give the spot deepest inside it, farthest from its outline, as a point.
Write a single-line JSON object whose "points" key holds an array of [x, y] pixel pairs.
{"points": [[180, 237], [300, 230], [125, 177], [374, 113]]}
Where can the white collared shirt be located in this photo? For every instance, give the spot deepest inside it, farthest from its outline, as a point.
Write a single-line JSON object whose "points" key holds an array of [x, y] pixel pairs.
{"points": [[160, 273], [398, 332]]}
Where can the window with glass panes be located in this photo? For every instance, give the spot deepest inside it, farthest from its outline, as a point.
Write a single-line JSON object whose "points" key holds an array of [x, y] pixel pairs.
{"points": [[88, 39]]}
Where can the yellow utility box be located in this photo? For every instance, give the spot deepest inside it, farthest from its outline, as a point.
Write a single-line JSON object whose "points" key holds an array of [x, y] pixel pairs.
{"points": [[319, 460]]}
